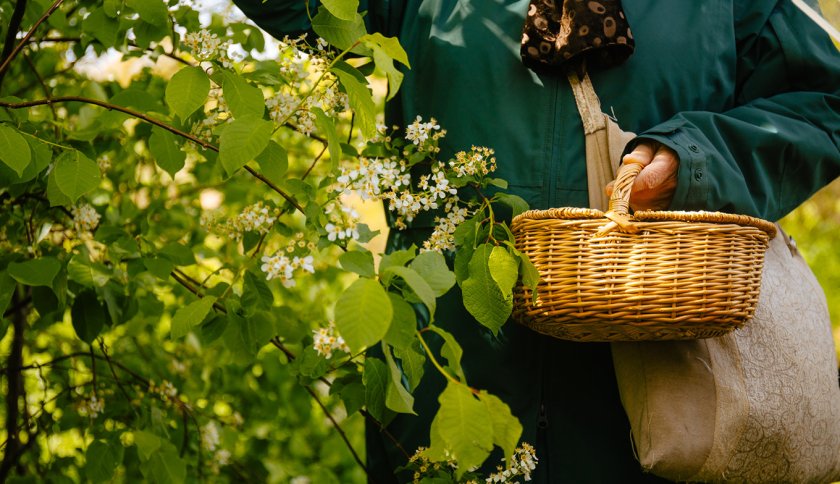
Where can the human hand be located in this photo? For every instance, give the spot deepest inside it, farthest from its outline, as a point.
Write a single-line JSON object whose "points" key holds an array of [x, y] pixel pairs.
{"points": [[655, 185]]}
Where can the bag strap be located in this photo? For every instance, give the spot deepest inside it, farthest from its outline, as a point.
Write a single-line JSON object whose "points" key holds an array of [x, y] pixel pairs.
{"points": [[605, 141]]}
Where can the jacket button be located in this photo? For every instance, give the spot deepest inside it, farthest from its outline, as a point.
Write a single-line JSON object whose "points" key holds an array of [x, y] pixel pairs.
{"points": [[694, 148], [698, 174]]}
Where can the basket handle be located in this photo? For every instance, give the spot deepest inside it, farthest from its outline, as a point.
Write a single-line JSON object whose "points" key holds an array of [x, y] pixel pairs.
{"points": [[619, 207]]}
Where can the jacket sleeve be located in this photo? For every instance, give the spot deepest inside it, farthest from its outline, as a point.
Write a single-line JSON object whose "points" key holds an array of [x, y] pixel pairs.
{"points": [[288, 17], [780, 143]]}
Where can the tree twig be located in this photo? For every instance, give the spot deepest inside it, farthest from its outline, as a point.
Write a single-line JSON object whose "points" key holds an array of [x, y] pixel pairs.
{"points": [[150, 120], [8, 59], [14, 385], [339, 430], [11, 34]]}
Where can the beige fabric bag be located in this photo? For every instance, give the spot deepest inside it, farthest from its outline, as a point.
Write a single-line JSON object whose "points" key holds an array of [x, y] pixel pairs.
{"points": [[761, 404]]}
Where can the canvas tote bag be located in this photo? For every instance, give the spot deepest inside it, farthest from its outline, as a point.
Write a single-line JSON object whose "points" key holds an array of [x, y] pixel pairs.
{"points": [[761, 404]]}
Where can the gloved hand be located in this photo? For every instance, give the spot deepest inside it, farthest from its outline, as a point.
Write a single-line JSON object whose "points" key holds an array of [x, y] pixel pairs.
{"points": [[656, 183]]}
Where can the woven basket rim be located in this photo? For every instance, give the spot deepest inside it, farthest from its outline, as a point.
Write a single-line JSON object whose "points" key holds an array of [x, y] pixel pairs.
{"points": [[572, 213]]}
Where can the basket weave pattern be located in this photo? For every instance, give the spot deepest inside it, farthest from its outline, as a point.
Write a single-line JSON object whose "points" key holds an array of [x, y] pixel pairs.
{"points": [[653, 276]]}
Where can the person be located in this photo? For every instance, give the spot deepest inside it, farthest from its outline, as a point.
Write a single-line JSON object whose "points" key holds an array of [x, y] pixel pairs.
{"points": [[737, 108]]}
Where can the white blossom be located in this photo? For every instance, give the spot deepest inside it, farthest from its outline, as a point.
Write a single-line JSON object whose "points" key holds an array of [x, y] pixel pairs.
{"points": [[91, 407], [327, 340], [85, 217], [210, 436], [418, 132]]}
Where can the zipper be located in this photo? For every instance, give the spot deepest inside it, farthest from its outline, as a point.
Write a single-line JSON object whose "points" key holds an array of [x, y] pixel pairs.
{"points": [[551, 199]]}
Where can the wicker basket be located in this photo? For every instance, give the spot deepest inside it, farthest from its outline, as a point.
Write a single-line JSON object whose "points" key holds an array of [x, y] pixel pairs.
{"points": [[650, 276]]}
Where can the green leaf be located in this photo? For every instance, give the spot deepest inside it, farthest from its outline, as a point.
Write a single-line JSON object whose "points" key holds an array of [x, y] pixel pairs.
{"points": [[41, 158], [274, 161], [80, 269], [180, 254], [413, 361], [358, 261], [450, 350], [327, 126], [14, 150], [7, 290], [504, 269], [352, 396], [256, 293], [151, 11], [166, 151], [190, 315], [386, 65], [88, 315], [75, 174], [165, 466], [35, 272], [482, 296], [506, 427], [498, 182], [462, 263], [187, 90], [530, 274], [242, 98], [390, 46], [242, 140], [432, 267], [256, 331], [400, 333], [147, 444], [55, 196], [516, 203], [361, 101], [159, 267], [417, 284], [463, 426], [385, 51], [340, 33], [102, 461], [397, 397], [363, 314], [465, 233], [101, 27], [375, 379], [342, 9]]}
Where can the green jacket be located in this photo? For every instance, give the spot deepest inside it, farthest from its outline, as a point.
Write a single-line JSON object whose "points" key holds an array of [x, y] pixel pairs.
{"points": [[746, 92]]}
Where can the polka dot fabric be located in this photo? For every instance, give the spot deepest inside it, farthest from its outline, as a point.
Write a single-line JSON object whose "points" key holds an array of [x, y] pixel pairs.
{"points": [[558, 31]]}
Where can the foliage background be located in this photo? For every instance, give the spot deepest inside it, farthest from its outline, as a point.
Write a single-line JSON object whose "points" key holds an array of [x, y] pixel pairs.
{"points": [[275, 431]]}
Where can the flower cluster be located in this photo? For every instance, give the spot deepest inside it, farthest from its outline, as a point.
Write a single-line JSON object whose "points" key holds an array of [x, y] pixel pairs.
{"points": [[217, 112], [390, 179], [343, 223], [422, 466], [257, 218], [283, 264], [85, 217], [206, 46], [298, 63], [166, 390], [443, 236], [419, 132], [210, 436], [524, 462], [479, 161], [91, 407], [327, 340]]}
